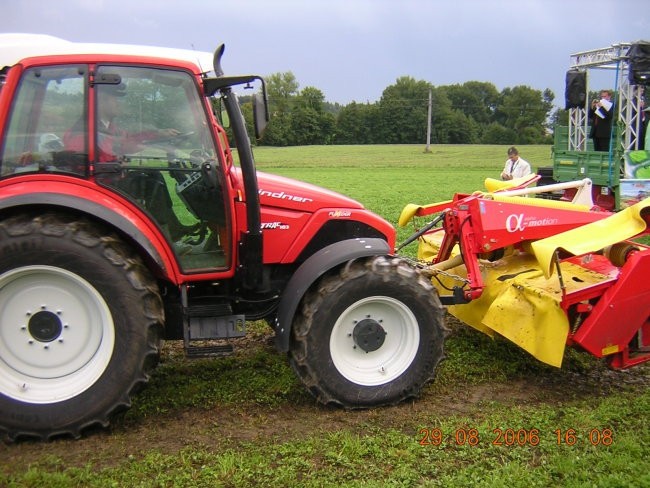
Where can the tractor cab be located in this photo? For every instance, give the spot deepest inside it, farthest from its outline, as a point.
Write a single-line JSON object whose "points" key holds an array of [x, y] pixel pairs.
{"points": [[138, 130]]}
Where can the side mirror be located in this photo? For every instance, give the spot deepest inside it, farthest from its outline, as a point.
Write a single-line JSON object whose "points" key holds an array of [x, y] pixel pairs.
{"points": [[260, 114]]}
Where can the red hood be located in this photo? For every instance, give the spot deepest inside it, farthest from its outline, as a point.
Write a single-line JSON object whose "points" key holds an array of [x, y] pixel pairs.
{"points": [[278, 191]]}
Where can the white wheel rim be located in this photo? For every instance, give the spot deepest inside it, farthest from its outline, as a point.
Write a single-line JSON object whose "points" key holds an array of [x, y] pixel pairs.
{"points": [[395, 354], [56, 334]]}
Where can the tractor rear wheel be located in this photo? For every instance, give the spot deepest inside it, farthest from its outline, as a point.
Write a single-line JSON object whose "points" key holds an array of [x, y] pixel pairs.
{"points": [[370, 335], [80, 325]]}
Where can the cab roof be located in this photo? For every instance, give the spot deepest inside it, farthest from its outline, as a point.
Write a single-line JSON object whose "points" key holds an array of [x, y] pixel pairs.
{"points": [[17, 46]]}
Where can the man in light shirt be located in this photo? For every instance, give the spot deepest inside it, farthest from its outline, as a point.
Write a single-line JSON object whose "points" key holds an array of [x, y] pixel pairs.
{"points": [[515, 167]]}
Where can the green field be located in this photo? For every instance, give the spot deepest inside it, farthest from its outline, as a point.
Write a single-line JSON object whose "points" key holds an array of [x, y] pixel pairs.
{"points": [[493, 417], [384, 178]]}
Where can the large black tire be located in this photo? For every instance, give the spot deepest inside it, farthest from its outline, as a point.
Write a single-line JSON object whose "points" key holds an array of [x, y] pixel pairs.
{"points": [[370, 335], [80, 326]]}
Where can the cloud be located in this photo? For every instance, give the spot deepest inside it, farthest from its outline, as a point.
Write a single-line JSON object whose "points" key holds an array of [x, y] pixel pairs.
{"points": [[354, 49]]}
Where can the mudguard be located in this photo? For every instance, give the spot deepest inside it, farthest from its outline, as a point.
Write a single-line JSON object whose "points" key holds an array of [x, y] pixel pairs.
{"points": [[91, 208], [312, 269]]}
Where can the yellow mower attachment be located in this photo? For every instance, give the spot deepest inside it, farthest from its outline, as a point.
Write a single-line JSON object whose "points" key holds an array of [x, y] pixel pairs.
{"points": [[525, 291], [518, 302]]}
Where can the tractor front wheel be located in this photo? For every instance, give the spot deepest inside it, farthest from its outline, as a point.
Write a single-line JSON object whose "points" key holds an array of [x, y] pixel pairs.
{"points": [[370, 335]]}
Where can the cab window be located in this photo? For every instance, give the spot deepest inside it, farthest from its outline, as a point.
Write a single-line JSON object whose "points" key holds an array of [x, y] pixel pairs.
{"points": [[49, 101]]}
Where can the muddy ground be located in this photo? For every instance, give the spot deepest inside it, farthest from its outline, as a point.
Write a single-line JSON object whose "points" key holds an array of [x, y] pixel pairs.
{"points": [[227, 426]]}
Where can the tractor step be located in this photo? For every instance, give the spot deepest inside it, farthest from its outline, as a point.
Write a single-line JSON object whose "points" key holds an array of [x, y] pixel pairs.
{"points": [[220, 327], [209, 310], [208, 326], [211, 351]]}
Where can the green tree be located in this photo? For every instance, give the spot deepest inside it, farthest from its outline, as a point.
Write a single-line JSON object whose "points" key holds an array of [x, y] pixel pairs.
{"points": [[496, 133], [488, 95], [525, 111], [442, 115], [402, 115], [560, 117], [282, 89], [308, 126], [309, 123], [277, 131], [474, 99], [311, 97], [355, 124], [462, 129], [468, 113]]}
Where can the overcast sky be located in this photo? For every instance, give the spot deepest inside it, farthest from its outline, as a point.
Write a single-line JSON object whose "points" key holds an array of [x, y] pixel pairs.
{"points": [[353, 49]]}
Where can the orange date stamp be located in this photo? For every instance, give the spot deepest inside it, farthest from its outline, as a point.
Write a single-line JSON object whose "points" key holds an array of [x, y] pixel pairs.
{"points": [[515, 437]]}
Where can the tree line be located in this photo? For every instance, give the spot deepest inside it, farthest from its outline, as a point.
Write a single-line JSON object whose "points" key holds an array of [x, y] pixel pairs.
{"points": [[470, 113]]}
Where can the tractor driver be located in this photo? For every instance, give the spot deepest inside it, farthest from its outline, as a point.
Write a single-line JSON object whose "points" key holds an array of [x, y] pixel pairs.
{"points": [[113, 143]]}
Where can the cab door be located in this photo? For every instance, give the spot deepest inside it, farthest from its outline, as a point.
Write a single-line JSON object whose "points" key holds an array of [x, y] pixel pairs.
{"points": [[152, 142]]}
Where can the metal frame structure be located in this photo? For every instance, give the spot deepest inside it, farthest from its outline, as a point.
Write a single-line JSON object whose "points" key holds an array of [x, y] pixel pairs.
{"points": [[627, 99]]}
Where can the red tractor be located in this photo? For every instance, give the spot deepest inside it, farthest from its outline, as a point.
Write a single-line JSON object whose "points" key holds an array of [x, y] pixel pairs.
{"points": [[125, 220]]}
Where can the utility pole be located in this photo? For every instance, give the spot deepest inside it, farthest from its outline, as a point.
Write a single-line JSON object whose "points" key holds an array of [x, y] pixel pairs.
{"points": [[428, 148]]}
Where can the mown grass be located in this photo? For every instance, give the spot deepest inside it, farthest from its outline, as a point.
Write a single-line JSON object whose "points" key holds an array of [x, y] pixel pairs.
{"points": [[318, 446], [379, 456]]}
